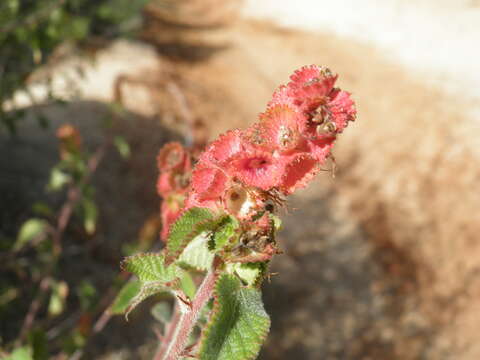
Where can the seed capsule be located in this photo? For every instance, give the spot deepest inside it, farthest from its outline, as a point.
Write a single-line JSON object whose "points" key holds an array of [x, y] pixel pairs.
{"points": [[327, 128]]}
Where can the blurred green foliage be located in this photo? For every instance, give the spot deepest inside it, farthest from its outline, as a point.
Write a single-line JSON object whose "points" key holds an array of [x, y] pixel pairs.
{"points": [[31, 30]]}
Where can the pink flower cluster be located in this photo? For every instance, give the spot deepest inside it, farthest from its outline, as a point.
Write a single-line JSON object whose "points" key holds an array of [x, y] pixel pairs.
{"points": [[282, 152], [175, 165]]}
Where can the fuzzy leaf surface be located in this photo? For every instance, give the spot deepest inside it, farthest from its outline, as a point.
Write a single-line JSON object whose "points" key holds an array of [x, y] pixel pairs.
{"points": [[249, 273], [150, 267], [239, 323], [154, 276], [197, 255], [225, 231], [148, 289], [192, 223]]}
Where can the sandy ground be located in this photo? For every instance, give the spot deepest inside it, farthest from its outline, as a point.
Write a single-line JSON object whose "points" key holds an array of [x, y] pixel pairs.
{"points": [[433, 38], [381, 262]]}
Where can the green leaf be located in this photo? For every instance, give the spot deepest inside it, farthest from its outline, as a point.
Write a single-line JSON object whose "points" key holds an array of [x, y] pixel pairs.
{"points": [[249, 273], [239, 323], [90, 215], [153, 274], [37, 339], [58, 179], [188, 285], [22, 353], [30, 229], [58, 298], [122, 146], [87, 295], [226, 230], [196, 255], [192, 223], [125, 296], [150, 267], [148, 289]]}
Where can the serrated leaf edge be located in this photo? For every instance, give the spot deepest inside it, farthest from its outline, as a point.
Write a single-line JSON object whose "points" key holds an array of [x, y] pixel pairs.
{"points": [[215, 313], [198, 228], [142, 294]]}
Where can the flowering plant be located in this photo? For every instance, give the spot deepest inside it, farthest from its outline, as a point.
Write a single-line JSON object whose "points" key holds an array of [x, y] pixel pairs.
{"points": [[219, 217]]}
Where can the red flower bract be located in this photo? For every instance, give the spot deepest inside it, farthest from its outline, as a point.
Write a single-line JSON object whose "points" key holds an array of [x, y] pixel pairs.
{"points": [[342, 109], [312, 74], [258, 169], [299, 170], [222, 149], [281, 127], [171, 156], [208, 182]]}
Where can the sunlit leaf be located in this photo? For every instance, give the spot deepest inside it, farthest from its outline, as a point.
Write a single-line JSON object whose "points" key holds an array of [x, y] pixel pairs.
{"points": [[30, 230], [191, 224], [22, 353], [239, 323], [150, 267], [249, 273], [58, 298], [58, 179], [154, 275], [224, 232], [197, 255], [125, 296], [188, 285], [90, 215]]}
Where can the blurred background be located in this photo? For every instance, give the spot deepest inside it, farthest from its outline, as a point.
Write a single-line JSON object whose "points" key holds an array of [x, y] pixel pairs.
{"points": [[381, 262]]}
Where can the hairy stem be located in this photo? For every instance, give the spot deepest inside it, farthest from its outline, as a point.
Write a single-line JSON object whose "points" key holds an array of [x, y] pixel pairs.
{"points": [[177, 336], [170, 330]]}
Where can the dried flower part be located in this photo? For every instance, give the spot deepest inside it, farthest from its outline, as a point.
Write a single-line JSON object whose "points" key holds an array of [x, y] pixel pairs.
{"points": [[312, 75], [264, 224], [310, 87], [342, 109], [175, 165], [241, 202]]}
